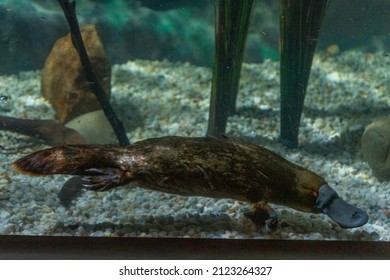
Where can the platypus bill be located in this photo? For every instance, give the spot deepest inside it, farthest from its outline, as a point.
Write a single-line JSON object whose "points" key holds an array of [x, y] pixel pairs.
{"points": [[212, 167]]}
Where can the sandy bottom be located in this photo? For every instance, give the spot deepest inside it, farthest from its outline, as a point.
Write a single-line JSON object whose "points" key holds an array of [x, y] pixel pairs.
{"points": [[346, 92]]}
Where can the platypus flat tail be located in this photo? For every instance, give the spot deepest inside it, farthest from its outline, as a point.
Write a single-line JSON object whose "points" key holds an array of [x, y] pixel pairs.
{"points": [[43, 162], [68, 159]]}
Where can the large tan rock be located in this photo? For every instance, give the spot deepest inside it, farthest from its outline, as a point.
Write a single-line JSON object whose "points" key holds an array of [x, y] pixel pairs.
{"points": [[63, 81], [376, 148]]}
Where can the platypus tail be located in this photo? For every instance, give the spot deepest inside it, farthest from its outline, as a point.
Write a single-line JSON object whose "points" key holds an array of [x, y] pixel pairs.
{"points": [[68, 159]]}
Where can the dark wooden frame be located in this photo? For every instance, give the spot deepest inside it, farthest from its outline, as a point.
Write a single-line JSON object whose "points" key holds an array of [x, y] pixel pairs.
{"points": [[54, 247], [76, 248]]}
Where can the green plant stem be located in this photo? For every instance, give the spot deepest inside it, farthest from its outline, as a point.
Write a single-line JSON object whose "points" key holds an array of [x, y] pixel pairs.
{"points": [[232, 21], [300, 24], [69, 9]]}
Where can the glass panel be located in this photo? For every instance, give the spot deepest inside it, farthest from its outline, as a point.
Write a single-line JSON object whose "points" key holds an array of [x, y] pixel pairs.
{"points": [[316, 70]]}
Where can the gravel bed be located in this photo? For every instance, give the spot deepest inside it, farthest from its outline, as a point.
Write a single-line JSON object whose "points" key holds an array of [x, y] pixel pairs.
{"points": [[346, 92]]}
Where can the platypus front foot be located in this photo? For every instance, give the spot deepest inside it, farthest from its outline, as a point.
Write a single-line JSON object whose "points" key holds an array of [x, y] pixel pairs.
{"points": [[263, 216]]}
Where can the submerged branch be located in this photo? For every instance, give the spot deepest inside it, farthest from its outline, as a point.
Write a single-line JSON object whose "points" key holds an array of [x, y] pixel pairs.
{"points": [[51, 132], [69, 9]]}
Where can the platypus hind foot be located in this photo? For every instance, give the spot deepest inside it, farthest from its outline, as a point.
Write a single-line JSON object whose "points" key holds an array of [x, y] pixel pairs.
{"points": [[263, 216], [70, 190], [103, 179]]}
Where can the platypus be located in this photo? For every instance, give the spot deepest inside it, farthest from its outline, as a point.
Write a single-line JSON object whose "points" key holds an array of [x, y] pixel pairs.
{"points": [[203, 166]]}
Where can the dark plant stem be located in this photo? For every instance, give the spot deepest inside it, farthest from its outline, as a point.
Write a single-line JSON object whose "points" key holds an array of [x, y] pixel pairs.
{"points": [[69, 9], [232, 21], [300, 24]]}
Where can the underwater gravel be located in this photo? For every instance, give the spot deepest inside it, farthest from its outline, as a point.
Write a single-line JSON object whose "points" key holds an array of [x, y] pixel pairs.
{"points": [[346, 92]]}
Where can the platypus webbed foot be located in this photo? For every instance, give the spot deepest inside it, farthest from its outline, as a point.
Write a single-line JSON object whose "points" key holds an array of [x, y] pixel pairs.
{"points": [[103, 179], [263, 216], [70, 190], [343, 213]]}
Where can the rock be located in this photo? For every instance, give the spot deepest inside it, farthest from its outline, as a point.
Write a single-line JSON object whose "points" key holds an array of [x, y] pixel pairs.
{"points": [[4, 196], [376, 148], [93, 127], [63, 81]]}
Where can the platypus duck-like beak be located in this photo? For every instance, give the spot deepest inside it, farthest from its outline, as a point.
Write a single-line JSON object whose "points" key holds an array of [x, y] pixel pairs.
{"points": [[343, 213]]}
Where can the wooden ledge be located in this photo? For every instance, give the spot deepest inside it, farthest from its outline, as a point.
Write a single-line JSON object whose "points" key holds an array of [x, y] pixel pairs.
{"points": [[52, 247]]}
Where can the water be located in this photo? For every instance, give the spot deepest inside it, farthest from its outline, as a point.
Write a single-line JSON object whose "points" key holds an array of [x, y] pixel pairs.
{"points": [[157, 71]]}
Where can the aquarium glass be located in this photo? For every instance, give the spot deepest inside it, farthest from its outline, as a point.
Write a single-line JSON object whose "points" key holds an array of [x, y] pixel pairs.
{"points": [[64, 170]]}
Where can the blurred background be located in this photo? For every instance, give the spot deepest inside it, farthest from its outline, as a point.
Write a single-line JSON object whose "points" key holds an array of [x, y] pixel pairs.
{"points": [[177, 30]]}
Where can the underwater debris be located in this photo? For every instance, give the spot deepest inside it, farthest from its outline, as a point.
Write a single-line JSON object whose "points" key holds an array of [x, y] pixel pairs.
{"points": [[211, 167]]}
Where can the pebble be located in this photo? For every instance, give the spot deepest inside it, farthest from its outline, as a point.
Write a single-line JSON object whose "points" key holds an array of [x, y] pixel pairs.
{"points": [[316, 236], [383, 202], [4, 215], [4, 196]]}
